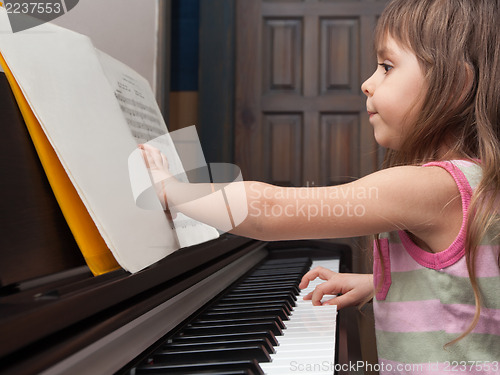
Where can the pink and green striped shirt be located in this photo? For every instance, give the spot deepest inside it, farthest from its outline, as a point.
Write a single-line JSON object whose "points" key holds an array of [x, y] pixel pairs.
{"points": [[426, 300]]}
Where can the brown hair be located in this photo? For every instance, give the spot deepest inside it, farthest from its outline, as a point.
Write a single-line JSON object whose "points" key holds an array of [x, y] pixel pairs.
{"points": [[457, 44]]}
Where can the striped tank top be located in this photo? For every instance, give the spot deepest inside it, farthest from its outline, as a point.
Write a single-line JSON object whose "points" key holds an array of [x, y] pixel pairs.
{"points": [[426, 300]]}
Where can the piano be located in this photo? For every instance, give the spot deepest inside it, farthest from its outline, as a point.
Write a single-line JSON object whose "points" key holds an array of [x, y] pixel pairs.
{"points": [[228, 306]]}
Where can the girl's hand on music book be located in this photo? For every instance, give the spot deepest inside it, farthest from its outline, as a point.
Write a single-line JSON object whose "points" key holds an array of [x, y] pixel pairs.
{"points": [[160, 174]]}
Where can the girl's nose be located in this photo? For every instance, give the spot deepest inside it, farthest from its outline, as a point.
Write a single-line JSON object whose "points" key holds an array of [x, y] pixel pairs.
{"points": [[368, 87]]}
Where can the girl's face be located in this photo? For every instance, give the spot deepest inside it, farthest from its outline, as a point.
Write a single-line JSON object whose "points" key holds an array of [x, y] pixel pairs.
{"points": [[394, 93]]}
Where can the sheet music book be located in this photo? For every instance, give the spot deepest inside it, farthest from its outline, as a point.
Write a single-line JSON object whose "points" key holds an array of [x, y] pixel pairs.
{"points": [[93, 111]]}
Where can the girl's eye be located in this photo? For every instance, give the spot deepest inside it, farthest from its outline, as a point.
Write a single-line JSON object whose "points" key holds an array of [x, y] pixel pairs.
{"points": [[386, 66]]}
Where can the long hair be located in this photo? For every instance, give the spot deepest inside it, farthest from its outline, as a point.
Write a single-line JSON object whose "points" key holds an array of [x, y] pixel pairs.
{"points": [[457, 44]]}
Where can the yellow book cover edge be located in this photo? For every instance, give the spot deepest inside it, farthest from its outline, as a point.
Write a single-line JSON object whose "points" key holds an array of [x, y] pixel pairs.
{"points": [[93, 247]]}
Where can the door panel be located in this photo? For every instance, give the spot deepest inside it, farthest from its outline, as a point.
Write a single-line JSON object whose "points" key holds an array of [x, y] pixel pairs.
{"points": [[339, 148], [339, 59], [283, 133], [282, 63]]}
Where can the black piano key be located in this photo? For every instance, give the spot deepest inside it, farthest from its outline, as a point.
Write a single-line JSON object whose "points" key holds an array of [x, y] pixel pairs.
{"points": [[287, 261], [295, 271], [271, 277], [203, 342], [266, 284], [256, 285], [278, 266], [277, 294], [265, 280], [258, 306], [284, 265], [249, 303], [192, 337], [247, 313], [202, 321], [266, 272], [197, 353], [274, 278], [249, 367], [258, 298], [274, 275], [263, 290], [241, 327], [265, 287]]}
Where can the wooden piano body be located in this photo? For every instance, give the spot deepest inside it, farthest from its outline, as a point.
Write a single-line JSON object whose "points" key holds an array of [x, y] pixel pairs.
{"points": [[57, 318]]}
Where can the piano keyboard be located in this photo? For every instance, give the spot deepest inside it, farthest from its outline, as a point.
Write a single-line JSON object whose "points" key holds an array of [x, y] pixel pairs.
{"points": [[259, 326], [307, 345]]}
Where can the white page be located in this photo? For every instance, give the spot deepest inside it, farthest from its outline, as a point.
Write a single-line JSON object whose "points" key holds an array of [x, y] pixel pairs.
{"points": [[62, 79]]}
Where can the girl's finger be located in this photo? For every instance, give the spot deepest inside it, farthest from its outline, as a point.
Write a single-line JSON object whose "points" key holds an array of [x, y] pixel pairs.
{"points": [[308, 296], [342, 301], [155, 157], [317, 296], [145, 157], [321, 272], [164, 161]]}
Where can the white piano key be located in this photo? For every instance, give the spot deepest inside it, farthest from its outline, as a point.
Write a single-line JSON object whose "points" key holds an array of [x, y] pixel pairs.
{"points": [[300, 364], [291, 361], [306, 321], [306, 309], [304, 315], [332, 264], [297, 348], [287, 370], [287, 342]]}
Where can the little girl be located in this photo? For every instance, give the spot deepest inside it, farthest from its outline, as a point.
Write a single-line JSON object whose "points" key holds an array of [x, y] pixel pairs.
{"points": [[434, 103]]}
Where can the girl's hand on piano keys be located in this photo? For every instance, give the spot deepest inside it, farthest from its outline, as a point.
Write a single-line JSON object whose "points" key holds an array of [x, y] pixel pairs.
{"points": [[352, 289], [157, 165]]}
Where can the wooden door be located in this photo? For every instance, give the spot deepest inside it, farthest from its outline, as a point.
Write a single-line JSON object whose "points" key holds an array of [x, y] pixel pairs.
{"points": [[300, 115]]}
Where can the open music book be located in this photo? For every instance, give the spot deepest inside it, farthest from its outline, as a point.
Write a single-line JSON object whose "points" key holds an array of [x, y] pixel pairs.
{"points": [[86, 113]]}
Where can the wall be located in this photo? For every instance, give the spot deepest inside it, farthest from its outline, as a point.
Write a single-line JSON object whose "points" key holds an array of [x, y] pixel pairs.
{"points": [[121, 28]]}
